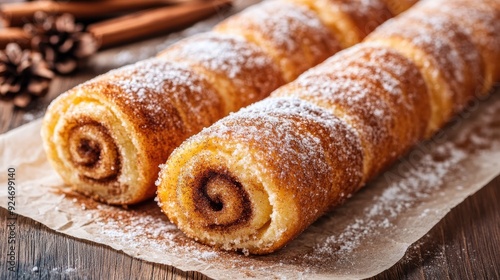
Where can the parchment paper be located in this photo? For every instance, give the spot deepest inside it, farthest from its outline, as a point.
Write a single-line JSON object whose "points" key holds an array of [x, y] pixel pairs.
{"points": [[365, 236]]}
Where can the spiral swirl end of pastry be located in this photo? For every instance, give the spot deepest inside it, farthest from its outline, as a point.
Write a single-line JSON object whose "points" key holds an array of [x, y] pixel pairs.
{"points": [[233, 191], [88, 149], [218, 198], [106, 137]]}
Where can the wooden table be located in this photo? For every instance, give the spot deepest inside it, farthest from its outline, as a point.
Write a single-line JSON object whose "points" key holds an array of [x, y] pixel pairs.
{"points": [[464, 245]]}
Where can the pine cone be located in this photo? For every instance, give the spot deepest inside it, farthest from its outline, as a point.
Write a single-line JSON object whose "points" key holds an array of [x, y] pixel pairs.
{"points": [[23, 75], [61, 41]]}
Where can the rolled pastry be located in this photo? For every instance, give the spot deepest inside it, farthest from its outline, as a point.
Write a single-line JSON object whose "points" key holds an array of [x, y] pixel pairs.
{"points": [[107, 137], [234, 188], [481, 25], [446, 55], [291, 34], [351, 20], [377, 91], [399, 6], [255, 179]]}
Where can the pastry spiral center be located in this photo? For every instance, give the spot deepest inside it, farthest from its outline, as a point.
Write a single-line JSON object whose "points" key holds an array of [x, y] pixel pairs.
{"points": [[93, 152], [222, 200], [88, 152]]}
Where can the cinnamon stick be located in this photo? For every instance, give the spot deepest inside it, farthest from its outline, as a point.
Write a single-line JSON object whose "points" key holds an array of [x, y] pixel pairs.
{"points": [[152, 22], [14, 35], [16, 14]]}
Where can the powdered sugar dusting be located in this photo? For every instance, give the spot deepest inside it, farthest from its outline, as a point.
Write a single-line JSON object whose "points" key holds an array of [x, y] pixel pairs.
{"points": [[443, 42], [243, 64], [363, 7], [290, 33], [454, 55], [337, 244], [267, 120], [149, 76], [162, 94], [474, 19], [281, 20], [220, 53], [365, 60], [366, 14], [141, 228], [365, 111], [482, 27]]}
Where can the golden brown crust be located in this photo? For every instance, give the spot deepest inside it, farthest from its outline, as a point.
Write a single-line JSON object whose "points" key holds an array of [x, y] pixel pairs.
{"points": [[462, 67], [291, 34], [480, 24], [448, 60], [387, 105], [240, 71], [366, 15], [349, 20], [399, 6]]}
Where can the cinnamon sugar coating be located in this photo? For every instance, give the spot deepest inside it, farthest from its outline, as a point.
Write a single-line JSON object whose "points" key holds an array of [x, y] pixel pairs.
{"points": [[291, 34], [349, 20], [399, 6], [387, 104], [480, 24], [240, 71], [449, 61]]}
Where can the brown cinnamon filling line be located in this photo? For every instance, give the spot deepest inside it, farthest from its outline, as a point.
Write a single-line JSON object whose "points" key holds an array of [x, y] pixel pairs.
{"points": [[222, 200], [89, 152], [94, 153]]}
